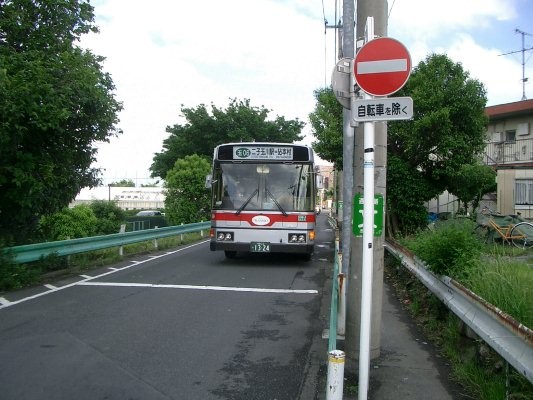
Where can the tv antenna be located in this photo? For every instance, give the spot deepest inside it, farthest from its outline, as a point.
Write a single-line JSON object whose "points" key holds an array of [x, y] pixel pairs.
{"points": [[523, 51]]}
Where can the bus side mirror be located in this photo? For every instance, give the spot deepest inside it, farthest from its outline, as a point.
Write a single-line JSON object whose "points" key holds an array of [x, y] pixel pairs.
{"points": [[319, 182], [208, 181]]}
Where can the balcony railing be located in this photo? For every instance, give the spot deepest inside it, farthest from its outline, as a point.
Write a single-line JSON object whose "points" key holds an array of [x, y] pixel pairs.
{"points": [[510, 152]]}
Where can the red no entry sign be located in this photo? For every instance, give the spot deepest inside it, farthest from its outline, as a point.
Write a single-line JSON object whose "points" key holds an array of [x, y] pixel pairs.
{"points": [[382, 66]]}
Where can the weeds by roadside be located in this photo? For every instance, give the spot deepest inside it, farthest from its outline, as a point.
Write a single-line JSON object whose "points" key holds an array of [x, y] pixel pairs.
{"points": [[499, 274]]}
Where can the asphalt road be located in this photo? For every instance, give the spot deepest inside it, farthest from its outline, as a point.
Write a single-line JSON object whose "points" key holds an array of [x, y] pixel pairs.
{"points": [[185, 324]]}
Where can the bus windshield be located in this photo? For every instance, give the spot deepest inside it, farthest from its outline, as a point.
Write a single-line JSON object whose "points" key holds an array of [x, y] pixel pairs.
{"points": [[259, 186]]}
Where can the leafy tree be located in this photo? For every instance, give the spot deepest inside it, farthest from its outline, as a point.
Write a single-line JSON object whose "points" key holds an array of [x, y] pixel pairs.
{"points": [[110, 216], [471, 182], [69, 223], [447, 131], [326, 121], [187, 200], [123, 183], [204, 130], [55, 102]]}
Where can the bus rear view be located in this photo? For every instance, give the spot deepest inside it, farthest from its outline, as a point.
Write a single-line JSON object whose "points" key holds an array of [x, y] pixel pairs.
{"points": [[263, 198]]}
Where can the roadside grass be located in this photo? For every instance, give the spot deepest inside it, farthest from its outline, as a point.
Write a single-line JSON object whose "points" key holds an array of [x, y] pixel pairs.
{"points": [[498, 273], [475, 366], [505, 283], [17, 276]]}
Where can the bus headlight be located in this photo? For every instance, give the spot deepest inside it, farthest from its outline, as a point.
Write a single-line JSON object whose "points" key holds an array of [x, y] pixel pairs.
{"points": [[297, 238], [225, 236]]}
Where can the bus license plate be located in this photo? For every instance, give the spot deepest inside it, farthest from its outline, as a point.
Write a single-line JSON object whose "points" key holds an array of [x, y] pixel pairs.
{"points": [[259, 247]]}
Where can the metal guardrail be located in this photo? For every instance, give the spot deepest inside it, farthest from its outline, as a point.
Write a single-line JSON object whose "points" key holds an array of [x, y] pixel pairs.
{"points": [[34, 252], [336, 291], [332, 338], [512, 340]]}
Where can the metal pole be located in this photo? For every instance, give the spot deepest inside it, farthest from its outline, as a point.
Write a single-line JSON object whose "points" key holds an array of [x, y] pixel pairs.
{"points": [[377, 9], [368, 246]]}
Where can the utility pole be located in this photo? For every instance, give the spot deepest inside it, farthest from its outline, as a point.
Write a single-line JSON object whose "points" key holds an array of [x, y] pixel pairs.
{"points": [[348, 51], [523, 51], [378, 10]]}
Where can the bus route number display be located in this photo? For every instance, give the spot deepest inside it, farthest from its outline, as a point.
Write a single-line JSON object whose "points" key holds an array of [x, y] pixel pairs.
{"points": [[262, 153]]}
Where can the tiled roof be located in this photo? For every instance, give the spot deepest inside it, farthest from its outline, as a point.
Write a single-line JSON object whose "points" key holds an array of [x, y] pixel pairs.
{"points": [[524, 107]]}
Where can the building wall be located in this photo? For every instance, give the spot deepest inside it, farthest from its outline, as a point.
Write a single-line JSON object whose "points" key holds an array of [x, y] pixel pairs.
{"points": [[127, 198], [506, 180]]}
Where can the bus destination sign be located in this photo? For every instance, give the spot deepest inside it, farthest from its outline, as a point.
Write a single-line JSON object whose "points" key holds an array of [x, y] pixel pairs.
{"points": [[262, 153]]}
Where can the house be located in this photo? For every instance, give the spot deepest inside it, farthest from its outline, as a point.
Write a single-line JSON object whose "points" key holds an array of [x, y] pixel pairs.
{"points": [[326, 176], [509, 150]]}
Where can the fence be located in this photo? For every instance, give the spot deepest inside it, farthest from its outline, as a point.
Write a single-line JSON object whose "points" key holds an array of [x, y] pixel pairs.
{"points": [[34, 252]]}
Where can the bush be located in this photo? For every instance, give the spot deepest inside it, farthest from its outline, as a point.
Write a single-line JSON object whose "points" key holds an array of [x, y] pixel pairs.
{"points": [[70, 223], [448, 250], [12, 275], [110, 216]]}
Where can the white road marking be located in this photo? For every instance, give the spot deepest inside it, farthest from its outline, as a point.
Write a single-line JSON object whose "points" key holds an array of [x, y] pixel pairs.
{"points": [[6, 303], [215, 288], [86, 276], [48, 286]]}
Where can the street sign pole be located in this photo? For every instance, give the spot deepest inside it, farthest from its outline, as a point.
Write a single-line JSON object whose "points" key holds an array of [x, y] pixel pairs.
{"points": [[368, 240]]}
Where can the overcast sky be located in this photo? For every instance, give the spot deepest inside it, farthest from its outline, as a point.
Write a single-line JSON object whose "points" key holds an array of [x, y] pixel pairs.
{"points": [[166, 53]]}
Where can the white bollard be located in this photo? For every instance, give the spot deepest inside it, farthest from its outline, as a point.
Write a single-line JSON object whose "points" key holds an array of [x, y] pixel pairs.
{"points": [[335, 383], [121, 248]]}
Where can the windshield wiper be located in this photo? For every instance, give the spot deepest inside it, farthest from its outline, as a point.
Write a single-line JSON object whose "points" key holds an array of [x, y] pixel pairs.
{"points": [[276, 202], [246, 202]]}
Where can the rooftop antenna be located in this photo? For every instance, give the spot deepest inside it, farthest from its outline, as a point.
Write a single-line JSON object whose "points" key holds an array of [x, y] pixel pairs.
{"points": [[523, 51]]}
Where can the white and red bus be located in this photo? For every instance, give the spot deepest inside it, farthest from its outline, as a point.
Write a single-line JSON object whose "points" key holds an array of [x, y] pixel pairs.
{"points": [[263, 198]]}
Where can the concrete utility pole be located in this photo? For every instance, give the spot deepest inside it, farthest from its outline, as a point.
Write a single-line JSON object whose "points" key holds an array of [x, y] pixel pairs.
{"points": [[378, 10], [348, 51]]}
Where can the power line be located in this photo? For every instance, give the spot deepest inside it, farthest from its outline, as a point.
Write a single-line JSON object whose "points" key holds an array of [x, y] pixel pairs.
{"points": [[326, 27]]}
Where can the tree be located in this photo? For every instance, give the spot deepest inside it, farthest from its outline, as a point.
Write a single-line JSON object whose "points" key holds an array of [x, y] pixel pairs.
{"points": [[326, 121], [471, 182], [187, 199], [110, 216], [204, 130], [447, 131], [123, 183], [423, 154], [55, 103]]}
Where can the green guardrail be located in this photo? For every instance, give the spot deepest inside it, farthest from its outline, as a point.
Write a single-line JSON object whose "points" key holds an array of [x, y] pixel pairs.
{"points": [[33, 252], [332, 340]]}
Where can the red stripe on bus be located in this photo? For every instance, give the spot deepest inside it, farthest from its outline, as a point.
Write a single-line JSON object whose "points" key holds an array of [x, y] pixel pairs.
{"points": [[218, 216]]}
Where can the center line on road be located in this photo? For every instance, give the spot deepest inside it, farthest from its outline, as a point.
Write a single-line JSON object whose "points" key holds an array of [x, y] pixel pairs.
{"points": [[215, 288]]}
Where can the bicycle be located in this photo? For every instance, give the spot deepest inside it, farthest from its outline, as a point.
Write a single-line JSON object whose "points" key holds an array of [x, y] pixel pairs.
{"points": [[511, 229]]}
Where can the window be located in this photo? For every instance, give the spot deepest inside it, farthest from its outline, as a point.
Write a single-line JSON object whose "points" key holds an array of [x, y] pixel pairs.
{"points": [[510, 136], [251, 186], [523, 192]]}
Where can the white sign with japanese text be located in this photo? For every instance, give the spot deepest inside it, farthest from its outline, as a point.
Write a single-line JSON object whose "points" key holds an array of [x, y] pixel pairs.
{"points": [[262, 153], [382, 109]]}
